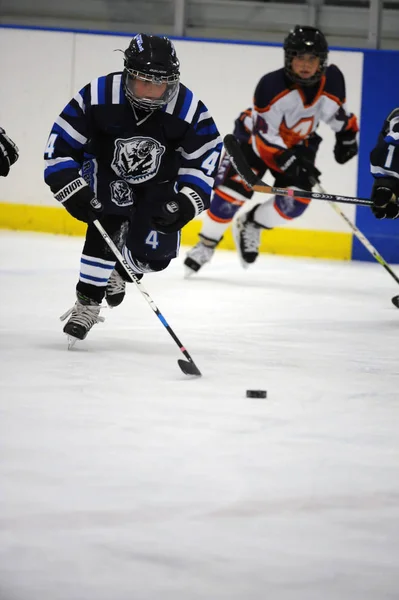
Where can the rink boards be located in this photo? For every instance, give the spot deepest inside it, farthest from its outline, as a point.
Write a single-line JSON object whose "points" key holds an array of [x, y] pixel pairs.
{"points": [[322, 244], [31, 103]]}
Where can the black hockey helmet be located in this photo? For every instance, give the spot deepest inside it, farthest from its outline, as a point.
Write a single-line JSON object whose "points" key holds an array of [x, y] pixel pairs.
{"points": [[153, 59], [305, 40]]}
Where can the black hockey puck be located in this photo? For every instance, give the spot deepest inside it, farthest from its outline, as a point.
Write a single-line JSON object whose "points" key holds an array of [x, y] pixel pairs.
{"points": [[256, 393], [395, 301]]}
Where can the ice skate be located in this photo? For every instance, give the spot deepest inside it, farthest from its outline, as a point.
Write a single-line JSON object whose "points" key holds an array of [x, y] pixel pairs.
{"points": [[247, 237], [199, 255], [83, 315], [116, 289]]}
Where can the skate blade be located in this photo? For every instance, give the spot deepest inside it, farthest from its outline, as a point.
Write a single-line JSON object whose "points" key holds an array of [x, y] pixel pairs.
{"points": [[188, 272], [236, 237], [71, 341], [244, 264]]}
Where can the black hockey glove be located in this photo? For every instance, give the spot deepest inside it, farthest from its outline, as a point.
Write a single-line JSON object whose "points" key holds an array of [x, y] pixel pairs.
{"points": [[80, 201], [302, 173], [385, 199], [8, 153], [174, 214], [345, 146]]}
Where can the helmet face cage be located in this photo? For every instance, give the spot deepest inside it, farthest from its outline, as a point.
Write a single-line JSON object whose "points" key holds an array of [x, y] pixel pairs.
{"points": [[151, 59], [305, 40], [131, 76]]}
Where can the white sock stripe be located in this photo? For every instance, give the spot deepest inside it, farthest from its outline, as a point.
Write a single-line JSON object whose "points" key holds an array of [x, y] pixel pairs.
{"points": [[108, 264], [95, 272]]}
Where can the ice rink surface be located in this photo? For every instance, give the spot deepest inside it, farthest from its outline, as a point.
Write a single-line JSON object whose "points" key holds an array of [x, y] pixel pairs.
{"points": [[122, 479]]}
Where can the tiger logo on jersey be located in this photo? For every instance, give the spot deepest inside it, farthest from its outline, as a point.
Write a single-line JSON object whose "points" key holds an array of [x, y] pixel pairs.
{"points": [[137, 159], [121, 193]]}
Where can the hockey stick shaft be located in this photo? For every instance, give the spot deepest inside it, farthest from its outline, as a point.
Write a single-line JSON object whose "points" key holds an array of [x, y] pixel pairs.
{"points": [[240, 164], [362, 239], [188, 369]]}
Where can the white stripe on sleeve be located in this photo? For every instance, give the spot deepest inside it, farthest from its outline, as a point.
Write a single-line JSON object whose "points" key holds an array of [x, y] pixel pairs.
{"points": [[94, 91], [80, 101], [200, 151], [71, 131], [116, 87], [380, 171], [199, 174]]}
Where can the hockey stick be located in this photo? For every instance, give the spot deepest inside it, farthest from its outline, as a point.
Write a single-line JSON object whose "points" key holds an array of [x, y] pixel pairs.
{"points": [[366, 243], [240, 164], [187, 366]]}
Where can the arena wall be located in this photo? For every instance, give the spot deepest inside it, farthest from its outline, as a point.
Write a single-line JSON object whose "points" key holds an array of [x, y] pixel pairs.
{"points": [[45, 68]]}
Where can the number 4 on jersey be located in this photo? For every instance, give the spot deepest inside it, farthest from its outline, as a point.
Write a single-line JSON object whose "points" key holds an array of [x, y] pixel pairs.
{"points": [[152, 239], [49, 151], [210, 163]]}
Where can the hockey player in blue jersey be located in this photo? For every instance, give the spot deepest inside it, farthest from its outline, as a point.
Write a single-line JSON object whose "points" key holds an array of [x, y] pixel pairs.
{"points": [[8, 153], [138, 151], [385, 169]]}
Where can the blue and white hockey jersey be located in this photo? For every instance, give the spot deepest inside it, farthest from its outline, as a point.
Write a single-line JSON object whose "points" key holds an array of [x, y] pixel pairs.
{"points": [[120, 152], [384, 157]]}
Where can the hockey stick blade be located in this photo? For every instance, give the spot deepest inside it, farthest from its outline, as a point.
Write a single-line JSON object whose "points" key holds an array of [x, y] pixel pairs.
{"points": [[395, 301], [238, 160], [189, 368]]}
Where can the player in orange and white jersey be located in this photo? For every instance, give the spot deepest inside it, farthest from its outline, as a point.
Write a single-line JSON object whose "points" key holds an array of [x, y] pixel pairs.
{"points": [[279, 133]]}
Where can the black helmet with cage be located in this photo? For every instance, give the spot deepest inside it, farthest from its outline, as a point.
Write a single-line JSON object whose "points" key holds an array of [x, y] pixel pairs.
{"points": [[152, 59], [304, 39]]}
